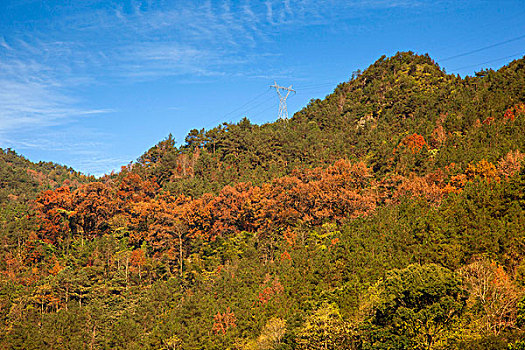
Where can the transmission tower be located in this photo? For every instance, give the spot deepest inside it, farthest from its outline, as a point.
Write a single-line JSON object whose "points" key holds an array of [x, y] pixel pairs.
{"points": [[283, 111]]}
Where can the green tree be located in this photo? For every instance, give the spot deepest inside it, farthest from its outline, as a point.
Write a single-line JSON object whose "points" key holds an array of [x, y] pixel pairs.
{"points": [[324, 329], [413, 308]]}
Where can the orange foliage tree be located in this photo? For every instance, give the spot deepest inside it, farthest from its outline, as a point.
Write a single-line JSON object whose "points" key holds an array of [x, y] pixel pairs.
{"points": [[93, 205], [167, 223], [138, 260], [167, 232], [431, 187], [53, 209], [483, 170]]}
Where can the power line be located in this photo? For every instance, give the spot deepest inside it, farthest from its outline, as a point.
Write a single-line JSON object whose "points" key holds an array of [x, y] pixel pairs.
{"points": [[315, 89], [316, 85], [255, 98], [264, 110], [482, 48], [247, 103], [469, 35], [494, 60], [257, 105], [264, 102], [251, 108], [266, 105]]}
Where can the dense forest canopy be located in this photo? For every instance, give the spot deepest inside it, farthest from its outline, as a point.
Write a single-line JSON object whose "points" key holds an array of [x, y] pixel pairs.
{"points": [[389, 215]]}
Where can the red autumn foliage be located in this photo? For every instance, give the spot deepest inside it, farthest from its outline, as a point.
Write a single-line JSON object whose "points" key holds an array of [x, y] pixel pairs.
{"points": [[93, 205], [269, 292], [286, 256], [514, 111], [132, 189], [224, 321], [488, 121], [310, 196], [509, 115], [414, 143]]}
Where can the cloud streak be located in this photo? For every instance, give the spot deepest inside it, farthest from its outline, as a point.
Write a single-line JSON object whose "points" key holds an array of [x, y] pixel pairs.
{"points": [[36, 104]]}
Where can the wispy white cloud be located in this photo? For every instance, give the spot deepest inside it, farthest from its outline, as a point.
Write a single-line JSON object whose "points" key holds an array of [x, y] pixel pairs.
{"points": [[152, 60], [30, 96], [144, 39], [4, 44]]}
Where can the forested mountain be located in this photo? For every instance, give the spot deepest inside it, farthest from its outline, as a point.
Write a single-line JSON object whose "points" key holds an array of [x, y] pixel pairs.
{"points": [[389, 215]]}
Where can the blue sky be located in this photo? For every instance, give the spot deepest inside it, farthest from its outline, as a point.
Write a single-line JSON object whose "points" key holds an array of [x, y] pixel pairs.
{"points": [[94, 84]]}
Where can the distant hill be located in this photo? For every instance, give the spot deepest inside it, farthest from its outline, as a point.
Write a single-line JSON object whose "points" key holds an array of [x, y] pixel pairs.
{"points": [[21, 179]]}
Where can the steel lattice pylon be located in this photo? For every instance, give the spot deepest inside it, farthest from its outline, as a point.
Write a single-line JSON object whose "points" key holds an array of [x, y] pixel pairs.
{"points": [[283, 110]]}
